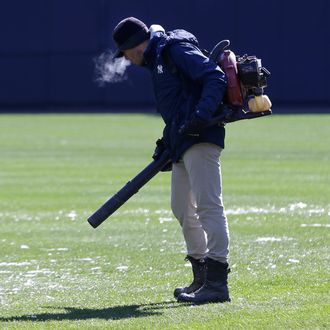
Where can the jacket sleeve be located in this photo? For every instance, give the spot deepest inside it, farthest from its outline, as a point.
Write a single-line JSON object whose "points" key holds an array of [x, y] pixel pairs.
{"points": [[192, 63]]}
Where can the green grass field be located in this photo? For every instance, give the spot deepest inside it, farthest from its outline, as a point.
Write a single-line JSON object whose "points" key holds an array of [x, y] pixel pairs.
{"points": [[57, 272]]}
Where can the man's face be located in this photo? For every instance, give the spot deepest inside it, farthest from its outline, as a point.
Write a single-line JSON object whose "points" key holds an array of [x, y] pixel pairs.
{"points": [[135, 55]]}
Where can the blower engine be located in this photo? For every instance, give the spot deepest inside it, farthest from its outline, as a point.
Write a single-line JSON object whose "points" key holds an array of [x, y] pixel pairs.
{"points": [[246, 77]]}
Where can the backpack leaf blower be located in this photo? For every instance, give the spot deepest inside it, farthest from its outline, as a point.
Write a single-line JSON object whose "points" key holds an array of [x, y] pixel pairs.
{"points": [[246, 77]]}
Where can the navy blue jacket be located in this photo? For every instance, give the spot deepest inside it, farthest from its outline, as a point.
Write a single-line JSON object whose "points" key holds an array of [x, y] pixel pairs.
{"points": [[198, 86]]}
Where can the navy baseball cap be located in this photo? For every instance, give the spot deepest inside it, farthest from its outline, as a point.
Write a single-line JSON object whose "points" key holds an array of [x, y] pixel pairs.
{"points": [[129, 33]]}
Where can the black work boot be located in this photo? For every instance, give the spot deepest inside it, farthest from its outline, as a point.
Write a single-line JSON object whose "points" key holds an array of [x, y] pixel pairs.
{"points": [[215, 288], [199, 272]]}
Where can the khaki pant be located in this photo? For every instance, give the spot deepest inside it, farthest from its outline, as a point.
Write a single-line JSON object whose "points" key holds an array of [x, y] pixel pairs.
{"points": [[197, 202]]}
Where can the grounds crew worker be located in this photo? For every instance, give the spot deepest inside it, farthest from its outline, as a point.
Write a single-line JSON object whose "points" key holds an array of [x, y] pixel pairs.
{"points": [[189, 89]]}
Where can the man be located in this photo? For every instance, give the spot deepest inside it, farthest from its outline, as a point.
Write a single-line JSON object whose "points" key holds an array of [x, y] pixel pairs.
{"points": [[189, 89]]}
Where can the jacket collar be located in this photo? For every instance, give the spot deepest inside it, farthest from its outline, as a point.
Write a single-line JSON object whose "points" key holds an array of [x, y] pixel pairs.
{"points": [[151, 52]]}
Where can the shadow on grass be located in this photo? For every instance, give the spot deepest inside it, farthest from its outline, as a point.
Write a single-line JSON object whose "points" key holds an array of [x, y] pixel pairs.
{"points": [[110, 313]]}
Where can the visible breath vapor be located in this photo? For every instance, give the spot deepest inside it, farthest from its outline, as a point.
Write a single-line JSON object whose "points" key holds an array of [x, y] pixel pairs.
{"points": [[109, 69]]}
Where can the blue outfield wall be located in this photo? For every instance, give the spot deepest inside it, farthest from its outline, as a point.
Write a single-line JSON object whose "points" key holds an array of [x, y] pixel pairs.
{"points": [[47, 47]]}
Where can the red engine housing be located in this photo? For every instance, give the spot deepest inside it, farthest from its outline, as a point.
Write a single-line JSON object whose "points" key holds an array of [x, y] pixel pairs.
{"points": [[228, 64]]}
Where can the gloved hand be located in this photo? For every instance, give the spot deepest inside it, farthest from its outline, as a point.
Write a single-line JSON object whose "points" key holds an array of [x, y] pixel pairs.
{"points": [[160, 148], [194, 126]]}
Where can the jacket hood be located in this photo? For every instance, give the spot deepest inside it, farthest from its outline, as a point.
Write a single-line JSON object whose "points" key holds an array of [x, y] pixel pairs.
{"points": [[180, 35], [176, 36], [160, 39]]}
